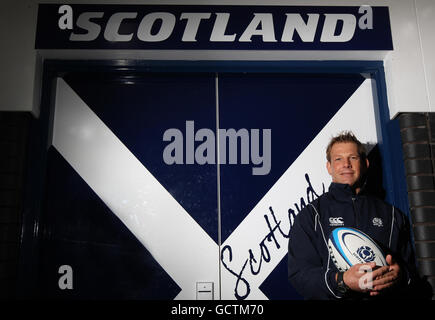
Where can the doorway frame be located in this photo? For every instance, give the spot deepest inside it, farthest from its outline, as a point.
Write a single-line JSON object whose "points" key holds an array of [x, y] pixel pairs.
{"points": [[388, 132]]}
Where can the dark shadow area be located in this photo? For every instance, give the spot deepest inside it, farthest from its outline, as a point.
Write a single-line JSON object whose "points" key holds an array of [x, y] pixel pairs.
{"points": [[374, 175], [420, 288]]}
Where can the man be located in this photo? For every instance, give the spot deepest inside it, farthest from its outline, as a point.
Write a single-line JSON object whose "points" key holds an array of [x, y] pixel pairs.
{"points": [[311, 270]]}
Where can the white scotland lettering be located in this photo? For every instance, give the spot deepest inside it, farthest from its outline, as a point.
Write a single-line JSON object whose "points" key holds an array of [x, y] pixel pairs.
{"points": [[294, 22], [84, 22], [219, 29], [168, 21], [192, 25], [266, 31], [261, 25], [111, 31], [331, 21]]}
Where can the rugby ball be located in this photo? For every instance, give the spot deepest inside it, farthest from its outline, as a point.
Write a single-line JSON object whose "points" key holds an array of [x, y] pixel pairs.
{"points": [[349, 246]]}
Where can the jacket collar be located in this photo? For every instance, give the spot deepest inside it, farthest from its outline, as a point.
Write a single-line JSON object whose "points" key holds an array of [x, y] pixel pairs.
{"points": [[342, 192]]}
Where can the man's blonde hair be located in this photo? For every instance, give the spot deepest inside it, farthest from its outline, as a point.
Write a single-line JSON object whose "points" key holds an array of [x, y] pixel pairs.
{"points": [[346, 136]]}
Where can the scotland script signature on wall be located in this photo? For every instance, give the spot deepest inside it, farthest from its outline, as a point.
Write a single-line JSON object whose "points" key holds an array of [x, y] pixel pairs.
{"points": [[277, 236]]}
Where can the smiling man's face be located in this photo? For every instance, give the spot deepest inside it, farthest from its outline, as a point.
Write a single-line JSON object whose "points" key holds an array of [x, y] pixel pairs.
{"points": [[345, 165]]}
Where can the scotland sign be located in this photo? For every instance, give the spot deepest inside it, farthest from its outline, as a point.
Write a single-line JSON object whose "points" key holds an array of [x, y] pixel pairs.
{"points": [[164, 27]]}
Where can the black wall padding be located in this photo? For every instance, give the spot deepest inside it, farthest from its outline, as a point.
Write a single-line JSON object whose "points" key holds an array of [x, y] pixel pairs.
{"points": [[418, 141]]}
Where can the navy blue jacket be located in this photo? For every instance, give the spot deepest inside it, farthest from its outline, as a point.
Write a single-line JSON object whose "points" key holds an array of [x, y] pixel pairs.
{"points": [[310, 268]]}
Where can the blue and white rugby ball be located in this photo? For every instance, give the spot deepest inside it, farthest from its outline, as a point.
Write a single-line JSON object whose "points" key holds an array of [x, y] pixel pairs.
{"points": [[349, 246]]}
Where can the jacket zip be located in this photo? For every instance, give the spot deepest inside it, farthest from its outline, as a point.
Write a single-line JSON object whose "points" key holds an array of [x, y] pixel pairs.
{"points": [[355, 212]]}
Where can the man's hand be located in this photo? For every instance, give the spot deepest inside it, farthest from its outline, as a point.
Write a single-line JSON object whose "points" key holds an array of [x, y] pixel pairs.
{"points": [[388, 279], [360, 276]]}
